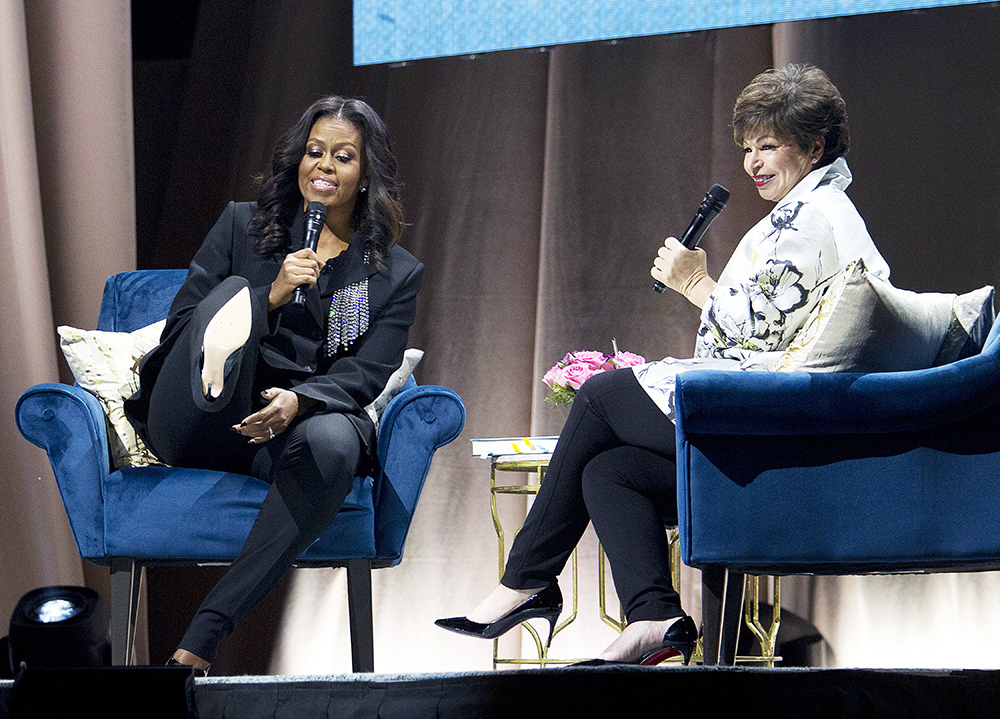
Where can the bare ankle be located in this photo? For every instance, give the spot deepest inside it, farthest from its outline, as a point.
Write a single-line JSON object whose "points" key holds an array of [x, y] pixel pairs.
{"points": [[637, 638], [499, 602], [192, 660]]}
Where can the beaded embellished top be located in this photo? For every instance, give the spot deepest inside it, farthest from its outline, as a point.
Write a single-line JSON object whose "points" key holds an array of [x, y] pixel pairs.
{"points": [[348, 316]]}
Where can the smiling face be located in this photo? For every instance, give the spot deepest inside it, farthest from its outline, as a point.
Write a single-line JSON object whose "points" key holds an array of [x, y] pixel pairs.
{"points": [[775, 164], [331, 169]]}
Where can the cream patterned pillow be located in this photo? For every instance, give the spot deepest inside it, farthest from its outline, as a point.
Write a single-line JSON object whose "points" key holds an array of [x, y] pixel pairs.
{"points": [[864, 324], [105, 363]]}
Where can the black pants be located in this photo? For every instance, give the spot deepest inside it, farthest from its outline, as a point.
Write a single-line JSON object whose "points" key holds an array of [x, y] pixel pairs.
{"points": [[614, 465], [310, 466]]}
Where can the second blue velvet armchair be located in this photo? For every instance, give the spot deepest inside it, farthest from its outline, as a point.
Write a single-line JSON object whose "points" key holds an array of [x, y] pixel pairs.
{"points": [[840, 473]]}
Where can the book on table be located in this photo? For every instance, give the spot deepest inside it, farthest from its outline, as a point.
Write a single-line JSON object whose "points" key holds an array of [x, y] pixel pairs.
{"points": [[496, 446]]}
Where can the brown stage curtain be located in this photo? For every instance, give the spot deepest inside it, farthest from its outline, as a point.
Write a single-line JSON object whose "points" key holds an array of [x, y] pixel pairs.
{"points": [[67, 221]]}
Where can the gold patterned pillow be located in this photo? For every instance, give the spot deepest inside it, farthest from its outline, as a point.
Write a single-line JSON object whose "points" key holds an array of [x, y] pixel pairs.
{"points": [[864, 324], [105, 363]]}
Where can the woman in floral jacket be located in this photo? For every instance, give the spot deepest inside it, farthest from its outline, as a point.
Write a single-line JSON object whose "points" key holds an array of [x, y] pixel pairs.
{"points": [[614, 463]]}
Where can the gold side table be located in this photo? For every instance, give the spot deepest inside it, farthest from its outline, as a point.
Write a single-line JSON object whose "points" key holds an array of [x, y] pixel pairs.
{"points": [[534, 465]]}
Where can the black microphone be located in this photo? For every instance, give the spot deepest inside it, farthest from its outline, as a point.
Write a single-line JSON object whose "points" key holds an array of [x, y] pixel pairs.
{"points": [[714, 202], [315, 214]]}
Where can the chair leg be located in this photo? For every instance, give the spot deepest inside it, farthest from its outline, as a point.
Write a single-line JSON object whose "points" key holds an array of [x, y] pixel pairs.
{"points": [[721, 610], [359, 607], [126, 577], [732, 616]]}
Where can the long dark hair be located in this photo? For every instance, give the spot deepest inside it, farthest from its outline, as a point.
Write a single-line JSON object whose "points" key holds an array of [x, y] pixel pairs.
{"points": [[378, 213]]}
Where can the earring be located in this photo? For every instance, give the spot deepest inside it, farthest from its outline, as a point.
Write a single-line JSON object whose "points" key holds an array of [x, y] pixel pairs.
{"points": [[815, 160], [365, 189]]}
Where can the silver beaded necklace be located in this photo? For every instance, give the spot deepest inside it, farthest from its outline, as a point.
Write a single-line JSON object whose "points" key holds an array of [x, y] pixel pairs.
{"points": [[348, 317]]}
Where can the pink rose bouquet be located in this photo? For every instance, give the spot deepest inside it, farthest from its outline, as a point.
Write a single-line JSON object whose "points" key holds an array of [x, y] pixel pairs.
{"points": [[569, 373]]}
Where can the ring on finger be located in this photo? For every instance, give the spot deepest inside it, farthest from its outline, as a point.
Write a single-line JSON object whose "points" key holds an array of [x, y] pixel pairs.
{"points": [[270, 432]]}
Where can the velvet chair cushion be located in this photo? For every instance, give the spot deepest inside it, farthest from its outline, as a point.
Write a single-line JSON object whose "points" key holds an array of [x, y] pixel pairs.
{"points": [[138, 298], [195, 514], [794, 472]]}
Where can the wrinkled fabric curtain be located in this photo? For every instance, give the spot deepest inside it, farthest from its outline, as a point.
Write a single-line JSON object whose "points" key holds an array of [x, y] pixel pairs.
{"points": [[67, 221]]}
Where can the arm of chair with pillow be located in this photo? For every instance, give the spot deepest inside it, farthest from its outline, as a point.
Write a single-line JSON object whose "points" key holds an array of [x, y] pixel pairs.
{"points": [[417, 421], [68, 423]]}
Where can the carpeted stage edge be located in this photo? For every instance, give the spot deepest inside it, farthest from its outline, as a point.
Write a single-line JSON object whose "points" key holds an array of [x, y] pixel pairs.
{"points": [[597, 691]]}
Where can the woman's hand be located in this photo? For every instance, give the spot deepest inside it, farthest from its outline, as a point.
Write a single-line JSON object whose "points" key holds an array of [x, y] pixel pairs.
{"points": [[683, 270], [298, 268], [283, 406]]}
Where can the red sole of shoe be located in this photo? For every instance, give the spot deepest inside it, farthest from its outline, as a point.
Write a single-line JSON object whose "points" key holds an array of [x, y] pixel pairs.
{"points": [[660, 655]]}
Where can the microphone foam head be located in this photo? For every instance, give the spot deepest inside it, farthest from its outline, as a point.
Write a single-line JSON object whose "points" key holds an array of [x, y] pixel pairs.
{"points": [[718, 194], [318, 208]]}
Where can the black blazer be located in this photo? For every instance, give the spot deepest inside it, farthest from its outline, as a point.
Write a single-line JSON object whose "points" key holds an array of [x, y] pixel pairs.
{"points": [[292, 352]]}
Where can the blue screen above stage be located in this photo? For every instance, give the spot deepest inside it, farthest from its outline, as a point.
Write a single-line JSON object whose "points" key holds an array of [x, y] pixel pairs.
{"points": [[399, 30]]}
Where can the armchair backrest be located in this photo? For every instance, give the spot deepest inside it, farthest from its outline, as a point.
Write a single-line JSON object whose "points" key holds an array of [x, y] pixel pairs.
{"points": [[135, 299]]}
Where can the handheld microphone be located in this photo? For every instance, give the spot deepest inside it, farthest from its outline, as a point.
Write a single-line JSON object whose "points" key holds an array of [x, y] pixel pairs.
{"points": [[714, 202], [315, 214]]}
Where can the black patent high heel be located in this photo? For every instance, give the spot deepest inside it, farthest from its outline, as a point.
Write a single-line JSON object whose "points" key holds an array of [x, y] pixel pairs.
{"points": [[546, 604], [680, 638]]}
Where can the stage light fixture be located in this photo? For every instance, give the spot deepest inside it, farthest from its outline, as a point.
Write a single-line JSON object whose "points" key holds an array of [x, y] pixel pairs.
{"points": [[59, 626], [61, 656]]}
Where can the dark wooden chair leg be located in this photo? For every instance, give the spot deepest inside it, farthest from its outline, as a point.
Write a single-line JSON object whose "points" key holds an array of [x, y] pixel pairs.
{"points": [[721, 608], [732, 613], [359, 606], [713, 586], [126, 576]]}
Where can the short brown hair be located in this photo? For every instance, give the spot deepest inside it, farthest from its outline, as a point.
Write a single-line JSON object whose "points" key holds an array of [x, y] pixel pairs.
{"points": [[797, 102]]}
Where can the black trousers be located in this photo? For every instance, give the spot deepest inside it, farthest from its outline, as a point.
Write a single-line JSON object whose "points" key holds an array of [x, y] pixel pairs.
{"points": [[614, 465], [310, 466]]}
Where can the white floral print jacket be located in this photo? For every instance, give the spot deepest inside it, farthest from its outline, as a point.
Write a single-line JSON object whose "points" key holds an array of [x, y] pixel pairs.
{"points": [[769, 285]]}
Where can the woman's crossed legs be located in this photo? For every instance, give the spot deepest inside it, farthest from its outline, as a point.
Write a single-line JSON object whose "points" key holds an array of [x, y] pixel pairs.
{"points": [[613, 465]]}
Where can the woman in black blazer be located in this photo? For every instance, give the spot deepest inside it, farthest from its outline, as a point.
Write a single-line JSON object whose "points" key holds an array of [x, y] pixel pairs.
{"points": [[246, 380]]}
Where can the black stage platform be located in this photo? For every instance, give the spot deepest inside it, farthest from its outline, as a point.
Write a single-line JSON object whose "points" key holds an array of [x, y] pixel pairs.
{"points": [[701, 692]]}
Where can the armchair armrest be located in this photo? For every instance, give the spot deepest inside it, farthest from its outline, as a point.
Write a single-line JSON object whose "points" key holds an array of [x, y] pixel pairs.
{"points": [[68, 423], [795, 403], [415, 424]]}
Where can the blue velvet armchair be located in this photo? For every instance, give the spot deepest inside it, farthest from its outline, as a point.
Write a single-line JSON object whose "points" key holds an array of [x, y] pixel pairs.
{"points": [[138, 516], [801, 473]]}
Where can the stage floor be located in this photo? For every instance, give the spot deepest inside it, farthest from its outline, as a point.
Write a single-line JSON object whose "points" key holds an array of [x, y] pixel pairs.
{"points": [[598, 691]]}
